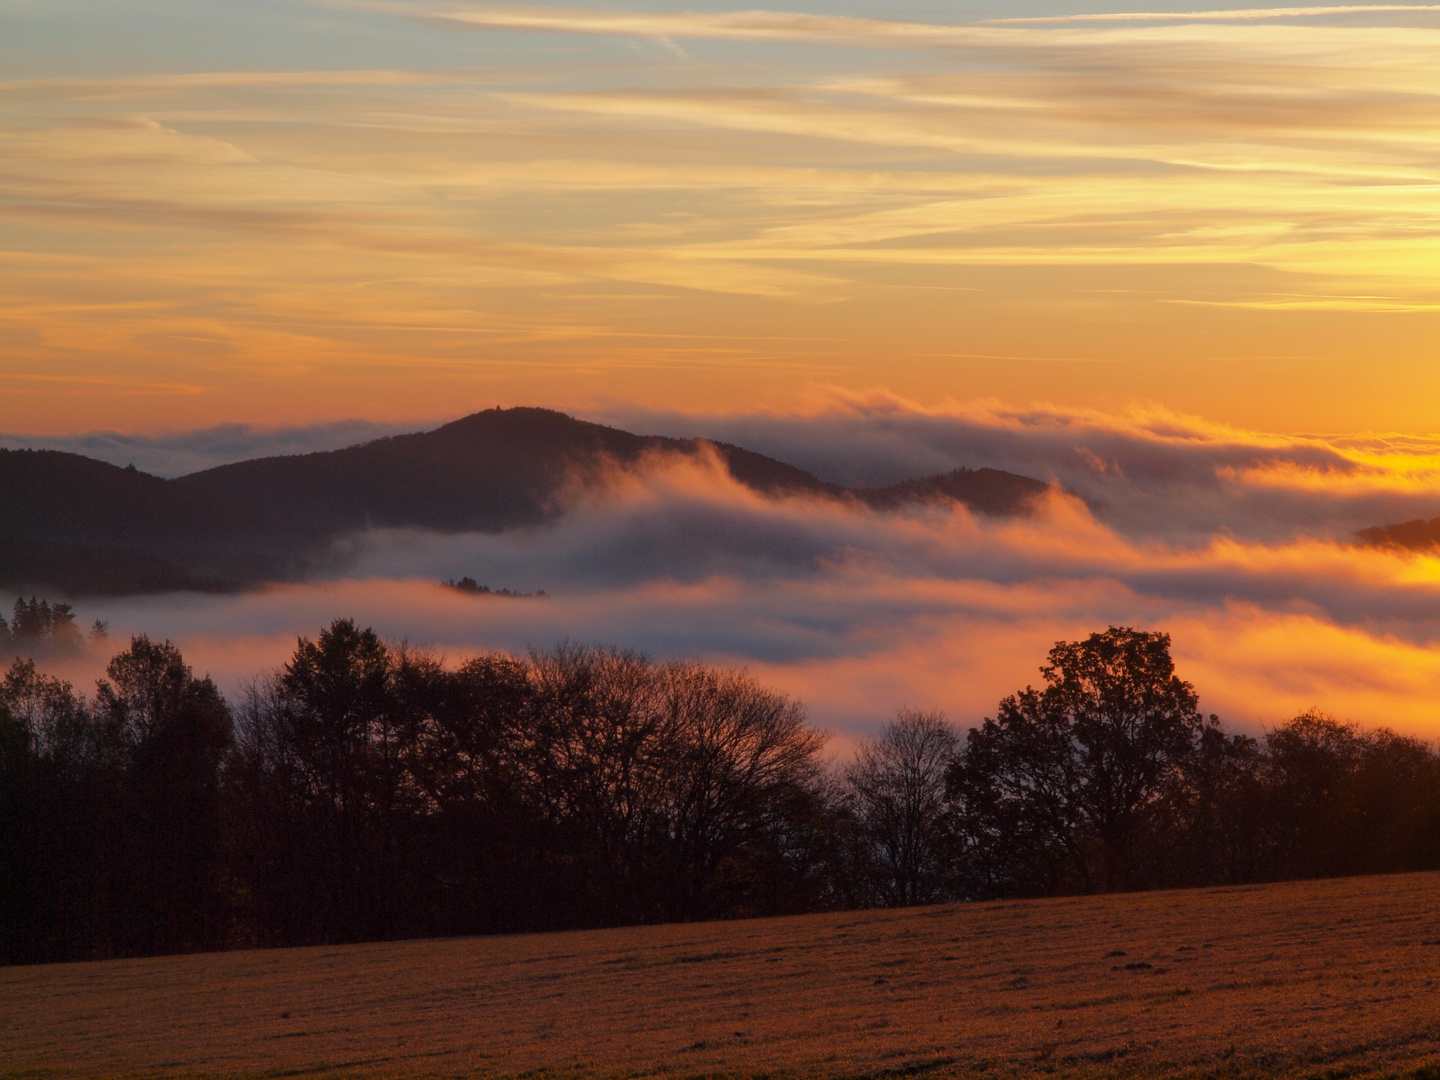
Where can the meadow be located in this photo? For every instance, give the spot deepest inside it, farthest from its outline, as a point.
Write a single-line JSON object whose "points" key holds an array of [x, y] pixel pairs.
{"points": [[1330, 978]]}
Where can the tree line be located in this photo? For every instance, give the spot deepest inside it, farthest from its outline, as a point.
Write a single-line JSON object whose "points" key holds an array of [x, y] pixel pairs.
{"points": [[365, 791], [38, 626]]}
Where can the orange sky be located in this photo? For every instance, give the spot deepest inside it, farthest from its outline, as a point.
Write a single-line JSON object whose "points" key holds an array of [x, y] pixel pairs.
{"points": [[456, 205]]}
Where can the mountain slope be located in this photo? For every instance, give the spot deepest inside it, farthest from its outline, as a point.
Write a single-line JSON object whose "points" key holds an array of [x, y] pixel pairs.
{"points": [[84, 526], [507, 468], [55, 497], [494, 470], [985, 491]]}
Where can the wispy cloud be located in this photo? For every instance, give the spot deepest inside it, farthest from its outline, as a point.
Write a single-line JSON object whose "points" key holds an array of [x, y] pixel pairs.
{"points": [[556, 230], [777, 26], [1219, 15], [849, 31]]}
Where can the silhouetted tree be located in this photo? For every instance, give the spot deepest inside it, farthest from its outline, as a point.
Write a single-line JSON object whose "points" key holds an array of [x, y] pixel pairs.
{"points": [[1073, 774], [168, 732], [40, 625], [24, 836], [329, 744], [1395, 792], [740, 765], [366, 791], [1343, 801], [1215, 821], [492, 845], [597, 755], [56, 835], [670, 790], [896, 788]]}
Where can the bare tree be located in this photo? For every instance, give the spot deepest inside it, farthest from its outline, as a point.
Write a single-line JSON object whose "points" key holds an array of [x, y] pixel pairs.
{"points": [[741, 758], [596, 750], [897, 790]]}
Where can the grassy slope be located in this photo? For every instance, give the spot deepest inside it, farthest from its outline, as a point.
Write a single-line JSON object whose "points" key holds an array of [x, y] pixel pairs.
{"points": [[1317, 979]]}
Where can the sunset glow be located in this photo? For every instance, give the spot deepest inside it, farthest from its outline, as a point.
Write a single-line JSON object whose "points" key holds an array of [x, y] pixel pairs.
{"points": [[294, 212], [1180, 264]]}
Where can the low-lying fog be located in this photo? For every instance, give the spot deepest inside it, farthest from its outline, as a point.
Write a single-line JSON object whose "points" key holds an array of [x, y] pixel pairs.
{"points": [[1238, 544]]}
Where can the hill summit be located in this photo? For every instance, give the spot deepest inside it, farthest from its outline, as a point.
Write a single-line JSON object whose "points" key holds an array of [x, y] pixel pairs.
{"points": [[71, 523]]}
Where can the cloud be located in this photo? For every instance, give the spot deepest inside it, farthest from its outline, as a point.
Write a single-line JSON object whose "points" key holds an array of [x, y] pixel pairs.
{"points": [[860, 612], [586, 218], [848, 31], [188, 84], [1149, 473], [777, 26], [1221, 15]]}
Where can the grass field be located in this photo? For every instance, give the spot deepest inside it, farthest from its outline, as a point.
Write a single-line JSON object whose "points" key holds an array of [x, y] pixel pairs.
{"points": [[1324, 979]]}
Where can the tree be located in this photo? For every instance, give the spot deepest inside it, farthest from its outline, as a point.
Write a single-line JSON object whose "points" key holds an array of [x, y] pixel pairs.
{"points": [[328, 748], [1074, 773], [1346, 801], [167, 734], [1216, 833], [1395, 795], [596, 752], [38, 624], [896, 788], [739, 771], [56, 834], [54, 719], [490, 836]]}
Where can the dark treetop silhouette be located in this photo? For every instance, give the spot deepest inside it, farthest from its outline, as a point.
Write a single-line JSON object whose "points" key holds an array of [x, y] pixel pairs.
{"points": [[364, 791]]}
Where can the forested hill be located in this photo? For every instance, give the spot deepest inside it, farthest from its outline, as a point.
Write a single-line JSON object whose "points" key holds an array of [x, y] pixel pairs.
{"points": [[488, 472], [47, 495], [82, 526], [1422, 534], [505, 468]]}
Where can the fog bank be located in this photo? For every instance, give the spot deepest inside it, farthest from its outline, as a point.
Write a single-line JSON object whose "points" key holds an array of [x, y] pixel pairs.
{"points": [[1238, 544]]}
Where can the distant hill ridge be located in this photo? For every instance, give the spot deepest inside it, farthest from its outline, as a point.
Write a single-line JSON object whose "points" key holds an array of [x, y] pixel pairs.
{"points": [[83, 526], [1422, 534], [493, 470]]}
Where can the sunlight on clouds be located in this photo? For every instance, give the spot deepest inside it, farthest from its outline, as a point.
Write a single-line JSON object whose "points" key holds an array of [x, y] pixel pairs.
{"points": [[535, 231], [858, 612], [1221, 14], [700, 214], [1240, 544]]}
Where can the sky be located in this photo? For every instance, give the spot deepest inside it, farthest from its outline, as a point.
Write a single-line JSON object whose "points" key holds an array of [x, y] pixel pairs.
{"points": [[1181, 263], [292, 212]]}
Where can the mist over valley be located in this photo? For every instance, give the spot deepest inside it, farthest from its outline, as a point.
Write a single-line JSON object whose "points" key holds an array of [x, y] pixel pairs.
{"points": [[920, 557]]}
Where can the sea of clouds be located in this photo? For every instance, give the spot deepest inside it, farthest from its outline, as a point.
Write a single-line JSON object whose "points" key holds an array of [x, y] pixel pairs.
{"points": [[1239, 544]]}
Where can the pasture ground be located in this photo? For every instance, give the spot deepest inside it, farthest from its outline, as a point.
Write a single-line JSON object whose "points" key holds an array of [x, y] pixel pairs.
{"points": [[1324, 979]]}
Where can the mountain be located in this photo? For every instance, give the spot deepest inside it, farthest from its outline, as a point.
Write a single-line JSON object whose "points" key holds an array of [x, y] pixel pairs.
{"points": [[71, 523], [495, 470], [985, 491], [83, 570], [85, 527], [55, 497]]}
